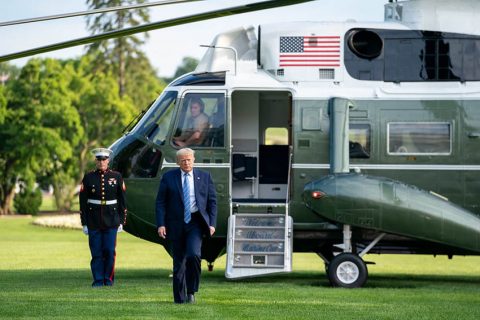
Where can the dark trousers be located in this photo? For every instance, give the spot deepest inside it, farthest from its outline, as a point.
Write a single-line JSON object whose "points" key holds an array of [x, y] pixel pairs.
{"points": [[102, 247], [187, 251]]}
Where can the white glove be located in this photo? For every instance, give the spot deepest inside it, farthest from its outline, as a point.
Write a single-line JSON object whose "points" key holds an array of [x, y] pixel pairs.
{"points": [[120, 228], [85, 230]]}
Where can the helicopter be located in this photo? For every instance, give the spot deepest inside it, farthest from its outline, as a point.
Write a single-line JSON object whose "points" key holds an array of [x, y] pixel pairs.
{"points": [[338, 138]]}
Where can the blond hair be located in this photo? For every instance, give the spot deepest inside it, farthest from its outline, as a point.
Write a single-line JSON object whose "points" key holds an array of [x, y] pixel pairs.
{"points": [[185, 151]]}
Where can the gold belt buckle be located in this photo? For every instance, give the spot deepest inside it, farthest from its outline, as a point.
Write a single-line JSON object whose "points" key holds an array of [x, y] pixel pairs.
{"points": [[103, 202]]}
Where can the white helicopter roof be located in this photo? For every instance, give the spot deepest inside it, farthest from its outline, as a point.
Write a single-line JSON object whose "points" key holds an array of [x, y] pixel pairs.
{"points": [[280, 58]]}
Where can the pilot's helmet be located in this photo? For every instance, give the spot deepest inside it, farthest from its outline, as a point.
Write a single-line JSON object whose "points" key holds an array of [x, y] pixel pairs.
{"points": [[101, 153]]}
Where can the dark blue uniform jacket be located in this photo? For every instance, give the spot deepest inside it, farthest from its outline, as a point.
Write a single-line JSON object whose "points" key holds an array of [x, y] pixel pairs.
{"points": [[104, 187]]}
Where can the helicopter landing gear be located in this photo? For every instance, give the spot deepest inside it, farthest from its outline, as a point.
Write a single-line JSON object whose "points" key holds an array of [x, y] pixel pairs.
{"points": [[347, 270], [210, 266]]}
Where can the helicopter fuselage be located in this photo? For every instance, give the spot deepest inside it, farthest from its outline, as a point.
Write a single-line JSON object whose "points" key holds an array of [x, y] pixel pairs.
{"points": [[409, 165]]}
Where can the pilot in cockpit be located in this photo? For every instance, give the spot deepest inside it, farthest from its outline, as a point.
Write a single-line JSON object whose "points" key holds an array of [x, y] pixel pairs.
{"points": [[197, 124]]}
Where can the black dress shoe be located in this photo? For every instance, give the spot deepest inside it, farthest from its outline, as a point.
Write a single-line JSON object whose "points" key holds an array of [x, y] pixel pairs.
{"points": [[190, 298]]}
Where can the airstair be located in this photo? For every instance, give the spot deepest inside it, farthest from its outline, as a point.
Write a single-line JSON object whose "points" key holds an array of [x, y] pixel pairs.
{"points": [[259, 239]]}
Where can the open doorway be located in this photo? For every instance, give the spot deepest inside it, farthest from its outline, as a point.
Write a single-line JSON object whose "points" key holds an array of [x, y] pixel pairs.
{"points": [[261, 139]]}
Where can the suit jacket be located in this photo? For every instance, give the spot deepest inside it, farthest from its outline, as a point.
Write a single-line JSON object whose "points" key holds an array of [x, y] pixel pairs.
{"points": [[170, 207]]}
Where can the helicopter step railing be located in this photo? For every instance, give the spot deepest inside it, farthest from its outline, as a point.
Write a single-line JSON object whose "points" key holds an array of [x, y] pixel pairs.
{"points": [[259, 242]]}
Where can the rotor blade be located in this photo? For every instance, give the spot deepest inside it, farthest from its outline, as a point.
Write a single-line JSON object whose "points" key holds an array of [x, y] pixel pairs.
{"points": [[95, 11], [155, 25]]}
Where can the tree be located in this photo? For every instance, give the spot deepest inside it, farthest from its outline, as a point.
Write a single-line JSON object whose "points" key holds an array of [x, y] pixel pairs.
{"points": [[103, 114], [188, 65], [123, 57], [28, 200], [8, 72], [143, 84], [39, 129]]}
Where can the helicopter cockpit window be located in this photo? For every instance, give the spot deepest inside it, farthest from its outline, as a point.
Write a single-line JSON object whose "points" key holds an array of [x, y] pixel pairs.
{"points": [[201, 121], [157, 122], [359, 141], [419, 138]]}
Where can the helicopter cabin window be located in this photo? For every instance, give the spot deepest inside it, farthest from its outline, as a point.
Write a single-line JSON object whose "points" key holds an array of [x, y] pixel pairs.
{"points": [[419, 138], [138, 160], [276, 136], [359, 141], [201, 121], [157, 122]]}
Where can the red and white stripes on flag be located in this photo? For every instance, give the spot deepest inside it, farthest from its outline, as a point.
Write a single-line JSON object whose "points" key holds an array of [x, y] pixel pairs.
{"points": [[310, 51]]}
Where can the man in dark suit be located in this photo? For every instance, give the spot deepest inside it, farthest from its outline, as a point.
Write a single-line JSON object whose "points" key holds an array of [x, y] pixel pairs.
{"points": [[186, 210]]}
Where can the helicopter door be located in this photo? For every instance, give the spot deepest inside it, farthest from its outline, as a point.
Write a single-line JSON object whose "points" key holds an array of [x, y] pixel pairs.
{"points": [[261, 140], [259, 229]]}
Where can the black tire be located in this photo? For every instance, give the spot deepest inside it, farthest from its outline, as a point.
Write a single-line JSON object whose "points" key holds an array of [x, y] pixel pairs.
{"points": [[347, 270]]}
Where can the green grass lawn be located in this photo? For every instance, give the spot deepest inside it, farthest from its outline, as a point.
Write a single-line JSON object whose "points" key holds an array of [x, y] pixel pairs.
{"points": [[44, 273], [48, 204]]}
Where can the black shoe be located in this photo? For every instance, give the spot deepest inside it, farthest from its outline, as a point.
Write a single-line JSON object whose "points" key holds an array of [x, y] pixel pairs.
{"points": [[190, 298]]}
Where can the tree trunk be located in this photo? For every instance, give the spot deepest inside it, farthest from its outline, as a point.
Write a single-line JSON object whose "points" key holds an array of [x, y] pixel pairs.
{"points": [[6, 203]]}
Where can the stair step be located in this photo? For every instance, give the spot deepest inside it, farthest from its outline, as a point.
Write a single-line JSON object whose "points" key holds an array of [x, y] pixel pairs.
{"points": [[259, 208]]}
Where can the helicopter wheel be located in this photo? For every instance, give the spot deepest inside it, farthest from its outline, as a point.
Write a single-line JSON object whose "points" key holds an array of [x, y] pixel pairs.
{"points": [[347, 270]]}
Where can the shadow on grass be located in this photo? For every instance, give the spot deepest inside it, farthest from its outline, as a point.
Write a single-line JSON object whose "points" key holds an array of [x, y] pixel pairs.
{"points": [[416, 281], [319, 279], [155, 277], [396, 281]]}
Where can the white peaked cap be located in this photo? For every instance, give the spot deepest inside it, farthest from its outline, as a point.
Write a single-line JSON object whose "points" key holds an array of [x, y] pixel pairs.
{"points": [[102, 152]]}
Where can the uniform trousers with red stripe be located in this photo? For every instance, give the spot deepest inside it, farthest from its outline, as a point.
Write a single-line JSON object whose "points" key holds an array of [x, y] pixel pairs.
{"points": [[102, 246]]}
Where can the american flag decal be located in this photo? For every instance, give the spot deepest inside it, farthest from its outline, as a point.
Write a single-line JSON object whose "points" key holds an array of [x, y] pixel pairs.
{"points": [[310, 51]]}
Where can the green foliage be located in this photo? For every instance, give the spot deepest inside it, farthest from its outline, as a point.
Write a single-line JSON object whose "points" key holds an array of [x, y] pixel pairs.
{"points": [[45, 273], [3, 104], [40, 126], [123, 56], [188, 65], [103, 112], [142, 84], [102, 116], [56, 112], [28, 200], [8, 70]]}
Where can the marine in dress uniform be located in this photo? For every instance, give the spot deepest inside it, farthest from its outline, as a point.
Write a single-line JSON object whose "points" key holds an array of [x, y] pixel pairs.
{"points": [[103, 213]]}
